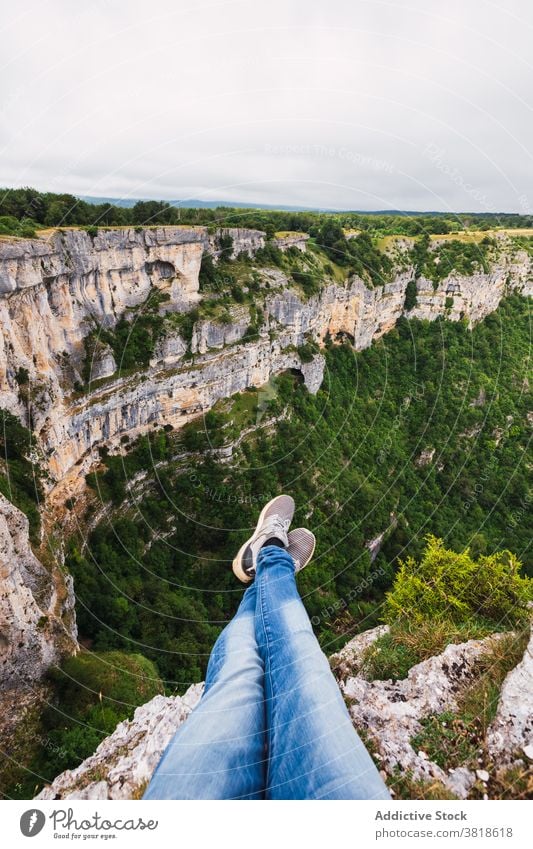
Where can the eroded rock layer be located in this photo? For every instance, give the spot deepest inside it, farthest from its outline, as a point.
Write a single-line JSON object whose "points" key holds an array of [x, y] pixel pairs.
{"points": [[54, 291]]}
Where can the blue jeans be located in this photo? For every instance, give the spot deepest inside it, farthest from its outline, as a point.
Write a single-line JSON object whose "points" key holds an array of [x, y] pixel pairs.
{"points": [[272, 723]]}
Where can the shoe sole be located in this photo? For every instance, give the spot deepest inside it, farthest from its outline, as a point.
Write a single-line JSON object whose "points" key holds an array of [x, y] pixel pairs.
{"points": [[237, 566], [310, 555]]}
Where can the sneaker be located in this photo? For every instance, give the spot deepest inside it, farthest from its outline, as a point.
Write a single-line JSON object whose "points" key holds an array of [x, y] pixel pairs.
{"points": [[273, 523], [301, 547]]}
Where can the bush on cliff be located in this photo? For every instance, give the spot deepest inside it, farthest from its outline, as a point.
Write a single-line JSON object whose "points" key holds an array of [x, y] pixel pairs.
{"points": [[20, 474], [445, 584]]}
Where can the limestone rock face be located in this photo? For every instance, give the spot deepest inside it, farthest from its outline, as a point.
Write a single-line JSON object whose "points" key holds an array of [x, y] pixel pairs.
{"points": [[284, 241], [55, 290], [391, 712], [103, 363], [244, 240], [211, 334], [37, 623], [511, 732]]}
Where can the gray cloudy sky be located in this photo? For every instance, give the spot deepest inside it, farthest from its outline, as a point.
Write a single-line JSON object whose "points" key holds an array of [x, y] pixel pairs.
{"points": [[361, 104]]}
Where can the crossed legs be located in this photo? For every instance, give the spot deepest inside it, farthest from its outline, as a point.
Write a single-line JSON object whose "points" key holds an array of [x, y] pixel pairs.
{"points": [[272, 723]]}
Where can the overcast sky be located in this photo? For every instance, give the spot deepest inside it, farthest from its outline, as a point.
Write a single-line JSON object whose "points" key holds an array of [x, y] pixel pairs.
{"points": [[354, 104]]}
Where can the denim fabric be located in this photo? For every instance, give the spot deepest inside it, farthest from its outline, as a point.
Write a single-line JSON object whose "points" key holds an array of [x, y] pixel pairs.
{"points": [[272, 723]]}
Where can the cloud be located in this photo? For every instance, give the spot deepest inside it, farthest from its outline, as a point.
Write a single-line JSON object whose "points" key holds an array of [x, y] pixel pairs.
{"points": [[360, 104]]}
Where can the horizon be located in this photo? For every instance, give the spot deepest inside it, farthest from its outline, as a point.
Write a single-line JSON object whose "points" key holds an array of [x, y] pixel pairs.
{"points": [[197, 203]]}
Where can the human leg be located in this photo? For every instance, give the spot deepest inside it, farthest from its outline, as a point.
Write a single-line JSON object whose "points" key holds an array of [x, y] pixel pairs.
{"points": [[219, 752], [314, 750]]}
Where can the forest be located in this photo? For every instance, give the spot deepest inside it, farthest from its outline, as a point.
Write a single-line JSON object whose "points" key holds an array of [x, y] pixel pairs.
{"points": [[23, 211]]}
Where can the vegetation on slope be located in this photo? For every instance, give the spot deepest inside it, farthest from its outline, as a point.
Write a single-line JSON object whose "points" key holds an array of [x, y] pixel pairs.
{"points": [[86, 699], [158, 571], [20, 472]]}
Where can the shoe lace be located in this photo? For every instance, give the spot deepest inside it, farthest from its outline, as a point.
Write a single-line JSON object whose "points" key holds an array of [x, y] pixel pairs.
{"points": [[277, 524]]}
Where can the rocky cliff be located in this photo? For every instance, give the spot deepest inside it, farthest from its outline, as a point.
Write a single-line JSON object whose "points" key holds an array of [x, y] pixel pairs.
{"points": [[65, 288], [37, 623], [389, 715], [54, 291]]}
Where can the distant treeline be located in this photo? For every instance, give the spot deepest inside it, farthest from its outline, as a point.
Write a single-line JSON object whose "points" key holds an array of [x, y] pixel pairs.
{"points": [[22, 211]]}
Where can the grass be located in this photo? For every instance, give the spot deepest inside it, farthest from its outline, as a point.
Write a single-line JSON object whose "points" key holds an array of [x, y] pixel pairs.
{"points": [[392, 655], [388, 658], [513, 783], [479, 702], [283, 234], [479, 235], [384, 243], [405, 786], [448, 740]]}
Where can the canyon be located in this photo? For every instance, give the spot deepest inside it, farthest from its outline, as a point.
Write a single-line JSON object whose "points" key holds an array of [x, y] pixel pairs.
{"points": [[57, 290], [62, 294]]}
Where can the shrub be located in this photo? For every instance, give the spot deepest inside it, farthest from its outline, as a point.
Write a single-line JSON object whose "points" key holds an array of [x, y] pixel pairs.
{"points": [[207, 273], [20, 477], [225, 246], [410, 295], [22, 376], [309, 282], [269, 255], [447, 585], [307, 351]]}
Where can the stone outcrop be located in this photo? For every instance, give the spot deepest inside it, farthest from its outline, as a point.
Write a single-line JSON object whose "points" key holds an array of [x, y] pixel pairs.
{"points": [[389, 713], [245, 241], [291, 239], [54, 291], [511, 732], [37, 623]]}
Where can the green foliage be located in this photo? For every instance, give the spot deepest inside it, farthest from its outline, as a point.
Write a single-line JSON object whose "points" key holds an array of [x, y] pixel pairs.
{"points": [[67, 210], [225, 247], [10, 226], [119, 681], [207, 275], [132, 342], [360, 253], [185, 322], [20, 476], [389, 658], [419, 254], [447, 741], [462, 257], [22, 376], [269, 255], [307, 351], [445, 584], [309, 281], [90, 695], [410, 295]]}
